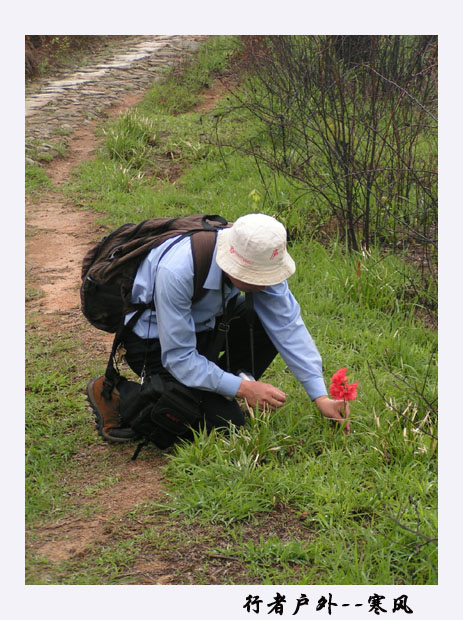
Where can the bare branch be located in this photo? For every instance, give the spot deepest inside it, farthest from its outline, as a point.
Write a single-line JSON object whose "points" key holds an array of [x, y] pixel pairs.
{"points": [[403, 91]]}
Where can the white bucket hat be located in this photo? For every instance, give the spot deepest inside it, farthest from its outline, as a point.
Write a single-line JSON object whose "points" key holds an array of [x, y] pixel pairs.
{"points": [[254, 251]]}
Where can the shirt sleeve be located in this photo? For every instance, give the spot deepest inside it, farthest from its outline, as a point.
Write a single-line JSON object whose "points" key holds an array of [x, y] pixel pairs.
{"points": [[280, 315], [177, 336]]}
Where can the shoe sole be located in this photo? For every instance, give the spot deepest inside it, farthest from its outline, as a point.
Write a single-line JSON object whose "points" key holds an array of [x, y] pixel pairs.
{"points": [[99, 418]]}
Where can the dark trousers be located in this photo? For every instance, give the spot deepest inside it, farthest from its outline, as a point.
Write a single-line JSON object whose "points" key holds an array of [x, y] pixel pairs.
{"points": [[218, 410]]}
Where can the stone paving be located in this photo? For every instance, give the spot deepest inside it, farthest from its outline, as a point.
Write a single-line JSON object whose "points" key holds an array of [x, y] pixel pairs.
{"points": [[55, 108]]}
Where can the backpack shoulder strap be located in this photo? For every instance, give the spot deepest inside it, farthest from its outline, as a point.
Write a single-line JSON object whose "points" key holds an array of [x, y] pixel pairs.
{"points": [[202, 248]]}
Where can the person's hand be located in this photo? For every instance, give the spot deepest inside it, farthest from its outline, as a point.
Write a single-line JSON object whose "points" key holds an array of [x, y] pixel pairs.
{"points": [[260, 394], [336, 410]]}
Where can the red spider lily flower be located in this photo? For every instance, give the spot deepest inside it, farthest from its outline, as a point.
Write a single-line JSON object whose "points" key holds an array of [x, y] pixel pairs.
{"points": [[351, 391], [339, 376], [340, 389]]}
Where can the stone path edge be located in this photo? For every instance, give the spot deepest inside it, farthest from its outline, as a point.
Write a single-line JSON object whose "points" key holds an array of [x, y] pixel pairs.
{"points": [[55, 108]]}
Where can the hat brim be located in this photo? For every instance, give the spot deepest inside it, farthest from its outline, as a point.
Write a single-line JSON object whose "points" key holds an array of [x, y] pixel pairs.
{"points": [[245, 273]]}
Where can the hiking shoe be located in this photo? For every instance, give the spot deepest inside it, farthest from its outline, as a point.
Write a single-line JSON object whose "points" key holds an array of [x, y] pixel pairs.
{"points": [[107, 413]]}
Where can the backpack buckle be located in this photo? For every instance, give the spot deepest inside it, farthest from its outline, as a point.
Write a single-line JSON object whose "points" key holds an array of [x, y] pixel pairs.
{"points": [[224, 327]]}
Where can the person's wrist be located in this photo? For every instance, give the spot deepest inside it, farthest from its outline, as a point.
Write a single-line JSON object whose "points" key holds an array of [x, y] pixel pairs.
{"points": [[241, 393]]}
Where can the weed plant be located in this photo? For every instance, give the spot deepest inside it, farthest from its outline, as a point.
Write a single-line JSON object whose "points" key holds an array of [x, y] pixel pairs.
{"points": [[358, 509], [128, 142]]}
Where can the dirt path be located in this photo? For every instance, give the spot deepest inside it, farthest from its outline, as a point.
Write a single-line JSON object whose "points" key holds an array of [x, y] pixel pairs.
{"points": [[58, 113], [57, 237], [59, 234]]}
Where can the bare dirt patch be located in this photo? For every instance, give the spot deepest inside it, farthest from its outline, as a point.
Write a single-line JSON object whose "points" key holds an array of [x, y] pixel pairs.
{"points": [[60, 238], [132, 483], [218, 89], [59, 234]]}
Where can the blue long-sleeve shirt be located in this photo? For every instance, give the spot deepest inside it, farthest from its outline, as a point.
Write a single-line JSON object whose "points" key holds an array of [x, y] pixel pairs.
{"points": [[176, 321]]}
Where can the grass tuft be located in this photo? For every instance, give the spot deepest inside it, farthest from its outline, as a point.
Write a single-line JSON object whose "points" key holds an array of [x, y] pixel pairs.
{"points": [[36, 179]]}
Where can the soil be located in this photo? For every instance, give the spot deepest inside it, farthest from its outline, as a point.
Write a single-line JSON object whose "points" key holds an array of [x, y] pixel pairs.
{"points": [[66, 232]]}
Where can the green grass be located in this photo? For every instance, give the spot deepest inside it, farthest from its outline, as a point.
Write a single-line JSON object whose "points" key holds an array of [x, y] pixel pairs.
{"points": [[357, 509], [57, 420], [33, 293], [36, 179], [356, 495], [181, 88]]}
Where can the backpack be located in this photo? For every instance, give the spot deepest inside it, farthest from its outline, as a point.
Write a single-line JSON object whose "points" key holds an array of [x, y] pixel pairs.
{"points": [[109, 269]]}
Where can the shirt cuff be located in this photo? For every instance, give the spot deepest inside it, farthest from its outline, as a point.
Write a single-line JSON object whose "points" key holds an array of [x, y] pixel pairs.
{"points": [[315, 387], [229, 385]]}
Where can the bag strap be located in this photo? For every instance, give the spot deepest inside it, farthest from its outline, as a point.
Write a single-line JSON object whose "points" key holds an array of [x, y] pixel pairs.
{"points": [[251, 318], [222, 328], [112, 376], [202, 249]]}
